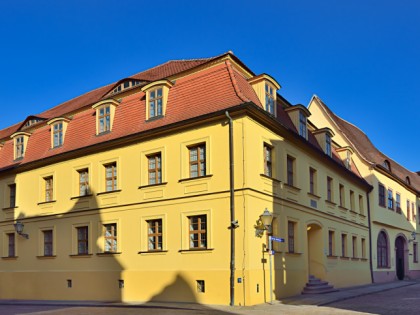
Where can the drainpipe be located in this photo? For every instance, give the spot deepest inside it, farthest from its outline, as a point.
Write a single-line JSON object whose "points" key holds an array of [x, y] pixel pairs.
{"points": [[233, 222], [370, 239]]}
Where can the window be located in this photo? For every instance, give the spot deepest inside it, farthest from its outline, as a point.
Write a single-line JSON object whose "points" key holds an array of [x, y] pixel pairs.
{"points": [[48, 242], [49, 188], [12, 195], [398, 202], [104, 119], [155, 169], [342, 201], [110, 237], [348, 160], [343, 245], [351, 200], [291, 236], [197, 160], [408, 210], [381, 192], [201, 286], [390, 200], [382, 248], [302, 125], [57, 134], [354, 247], [412, 211], [328, 144], [268, 170], [312, 181], [331, 245], [155, 103], [82, 240], [154, 234], [329, 189], [19, 147], [361, 205], [407, 180], [83, 182], [198, 231], [363, 248], [387, 165], [269, 98], [415, 253], [111, 176], [290, 170], [11, 249]]}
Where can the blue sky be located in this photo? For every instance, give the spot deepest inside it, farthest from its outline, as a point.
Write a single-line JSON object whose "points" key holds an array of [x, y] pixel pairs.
{"points": [[360, 57]]}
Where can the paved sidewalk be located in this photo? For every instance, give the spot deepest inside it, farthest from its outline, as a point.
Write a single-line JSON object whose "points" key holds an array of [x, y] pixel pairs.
{"points": [[344, 294], [300, 304]]}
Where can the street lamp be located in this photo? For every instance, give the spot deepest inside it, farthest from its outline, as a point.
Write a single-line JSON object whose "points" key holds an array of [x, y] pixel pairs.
{"points": [[19, 229], [413, 236], [264, 223]]}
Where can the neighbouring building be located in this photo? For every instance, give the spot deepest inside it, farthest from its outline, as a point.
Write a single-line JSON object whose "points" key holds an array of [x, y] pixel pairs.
{"points": [[394, 200], [151, 189]]}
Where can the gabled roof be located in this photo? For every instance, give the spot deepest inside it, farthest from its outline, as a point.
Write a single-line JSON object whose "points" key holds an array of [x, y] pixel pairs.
{"points": [[366, 148]]}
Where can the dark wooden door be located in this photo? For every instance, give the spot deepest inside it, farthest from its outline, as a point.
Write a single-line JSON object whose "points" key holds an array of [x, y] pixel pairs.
{"points": [[399, 263]]}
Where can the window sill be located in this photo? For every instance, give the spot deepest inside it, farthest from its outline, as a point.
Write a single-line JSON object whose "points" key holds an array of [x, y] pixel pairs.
{"points": [[9, 257], [342, 208], [344, 257], [103, 133], [332, 257], [154, 118], [46, 202], [272, 178], [355, 259], [293, 254], [108, 192], [108, 254], [384, 268], [80, 255], [292, 187], [46, 257], [194, 178], [152, 185], [330, 202], [10, 208], [362, 215], [196, 250], [81, 196], [152, 252], [18, 159], [363, 259], [313, 196], [353, 212]]}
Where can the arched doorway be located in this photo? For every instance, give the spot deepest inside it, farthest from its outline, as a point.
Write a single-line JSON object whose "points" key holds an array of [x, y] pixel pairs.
{"points": [[315, 251], [400, 257]]}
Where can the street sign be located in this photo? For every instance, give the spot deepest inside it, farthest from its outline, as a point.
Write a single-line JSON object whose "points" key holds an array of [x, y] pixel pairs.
{"points": [[277, 239]]}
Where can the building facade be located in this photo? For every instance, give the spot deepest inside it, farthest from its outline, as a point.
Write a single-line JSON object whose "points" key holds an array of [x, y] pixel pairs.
{"points": [[151, 189], [394, 200]]}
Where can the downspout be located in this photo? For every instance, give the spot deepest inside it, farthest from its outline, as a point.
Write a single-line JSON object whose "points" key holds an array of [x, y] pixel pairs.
{"points": [[233, 222], [370, 239]]}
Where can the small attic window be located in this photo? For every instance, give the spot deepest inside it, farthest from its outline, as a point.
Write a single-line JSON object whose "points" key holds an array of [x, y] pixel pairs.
{"points": [[387, 165], [156, 98], [302, 125], [266, 89], [31, 122], [407, 180], [269, 98], [125, 85], [20, 142], [328, 150]]}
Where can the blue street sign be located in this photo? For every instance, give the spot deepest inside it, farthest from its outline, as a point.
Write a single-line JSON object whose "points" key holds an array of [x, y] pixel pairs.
{"points": [[277, 239]]}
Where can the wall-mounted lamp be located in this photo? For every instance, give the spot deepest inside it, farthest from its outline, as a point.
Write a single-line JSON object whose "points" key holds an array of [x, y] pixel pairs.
{"points": [[413, 236], [19, 229], [263, 223]]}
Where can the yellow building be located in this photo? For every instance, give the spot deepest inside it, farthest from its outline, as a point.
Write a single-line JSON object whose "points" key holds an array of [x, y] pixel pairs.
{"points": [[394, 201], [151, 189]]}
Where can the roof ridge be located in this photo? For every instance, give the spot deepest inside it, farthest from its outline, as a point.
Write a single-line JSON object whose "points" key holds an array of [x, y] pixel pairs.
{"points": [[235, 83]]}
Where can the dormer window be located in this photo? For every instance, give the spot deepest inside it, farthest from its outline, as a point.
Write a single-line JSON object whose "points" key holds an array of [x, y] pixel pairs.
{"points": [[32, 121], [58, 130], [125, 85], [155, 102], [387, 165], [105, 112], [266, 89], [303, 130], [299, 115], [328, 150], [407, 180], [156, 98], [20, 140], [348, 160], [269, 98]]}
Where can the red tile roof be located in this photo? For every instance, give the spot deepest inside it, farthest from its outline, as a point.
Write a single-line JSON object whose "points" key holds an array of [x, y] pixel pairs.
{"points": [[365, 147]]}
